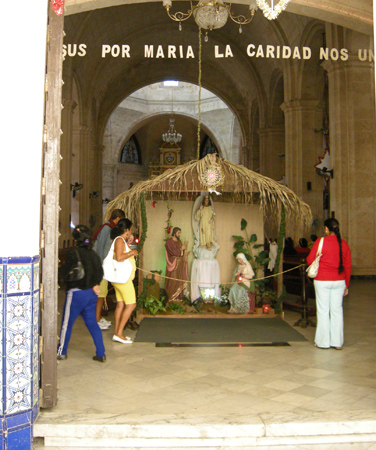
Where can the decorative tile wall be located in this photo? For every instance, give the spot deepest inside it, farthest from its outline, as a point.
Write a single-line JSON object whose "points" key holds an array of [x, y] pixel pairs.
{"points": [[19, 350]]}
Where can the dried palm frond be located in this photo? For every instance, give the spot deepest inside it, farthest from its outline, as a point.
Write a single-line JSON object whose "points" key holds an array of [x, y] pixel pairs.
{"points": [[242, 184]]}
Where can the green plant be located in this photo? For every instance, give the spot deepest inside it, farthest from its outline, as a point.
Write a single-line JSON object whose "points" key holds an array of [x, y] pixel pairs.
{"points": [[281, 236], [252, 251], [154, 305], [175, 307], [145, 285], [144, 230], [225, 290]]}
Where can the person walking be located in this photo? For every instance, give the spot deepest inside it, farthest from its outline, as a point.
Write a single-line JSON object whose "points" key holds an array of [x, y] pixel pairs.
{"points": [[81, 296], [125, 292], [331, 285], [102, 246]]}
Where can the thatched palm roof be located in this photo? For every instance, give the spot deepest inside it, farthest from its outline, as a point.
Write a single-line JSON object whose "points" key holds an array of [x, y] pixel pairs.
{"points": [[243, 184]]}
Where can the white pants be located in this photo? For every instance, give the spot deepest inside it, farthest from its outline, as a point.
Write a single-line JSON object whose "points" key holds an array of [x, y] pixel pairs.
{"points": [[329, 296]]}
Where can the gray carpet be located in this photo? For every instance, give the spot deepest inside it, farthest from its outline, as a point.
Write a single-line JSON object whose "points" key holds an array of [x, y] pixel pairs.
{"points": [[173, 330]]}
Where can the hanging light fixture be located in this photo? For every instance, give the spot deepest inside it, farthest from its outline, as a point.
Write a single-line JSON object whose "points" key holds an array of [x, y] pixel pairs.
{"points": [[211, 14], [172, 136], [271, 9]]}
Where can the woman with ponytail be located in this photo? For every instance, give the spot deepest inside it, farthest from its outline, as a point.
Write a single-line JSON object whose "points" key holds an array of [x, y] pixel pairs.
{"points": [[331, 285], [125, 292]]}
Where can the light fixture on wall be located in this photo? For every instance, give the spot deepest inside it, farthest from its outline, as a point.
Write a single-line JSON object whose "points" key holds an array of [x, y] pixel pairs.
{"points": [[75, 187], [105, 201], [172, 136], [213, 14]]}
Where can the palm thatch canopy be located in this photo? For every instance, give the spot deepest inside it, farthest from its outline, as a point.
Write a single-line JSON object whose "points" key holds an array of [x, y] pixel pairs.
{"points": [[242, 184]]}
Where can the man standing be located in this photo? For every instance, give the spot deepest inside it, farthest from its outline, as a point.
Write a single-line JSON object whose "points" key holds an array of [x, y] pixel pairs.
{"points": [[176, 266], [102, 246]]}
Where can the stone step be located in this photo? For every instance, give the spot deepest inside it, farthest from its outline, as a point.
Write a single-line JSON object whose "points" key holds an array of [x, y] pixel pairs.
{"points": [[93, 431]]}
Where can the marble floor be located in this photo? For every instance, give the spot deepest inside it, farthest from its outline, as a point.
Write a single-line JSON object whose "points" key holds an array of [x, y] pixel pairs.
{"points": [[299, 383]]}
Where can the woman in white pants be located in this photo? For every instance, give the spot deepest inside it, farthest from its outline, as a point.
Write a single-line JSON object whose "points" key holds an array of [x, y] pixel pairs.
{"points": [[331, 285]]}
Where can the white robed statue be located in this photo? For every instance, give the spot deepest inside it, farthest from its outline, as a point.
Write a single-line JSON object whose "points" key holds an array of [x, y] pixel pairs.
{"points": [[205, 274]]}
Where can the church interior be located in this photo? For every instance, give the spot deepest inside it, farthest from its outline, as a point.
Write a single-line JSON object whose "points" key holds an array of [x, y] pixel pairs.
{"points": [[290, 98]]}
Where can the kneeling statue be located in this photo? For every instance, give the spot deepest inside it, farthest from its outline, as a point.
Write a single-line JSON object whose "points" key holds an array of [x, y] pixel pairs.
{"points": [[238, 296]]}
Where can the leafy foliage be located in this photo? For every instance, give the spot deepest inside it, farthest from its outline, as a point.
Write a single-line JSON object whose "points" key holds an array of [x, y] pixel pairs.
{"points": [[175, 307], [144, 230], [154, 305], [255, 254]]}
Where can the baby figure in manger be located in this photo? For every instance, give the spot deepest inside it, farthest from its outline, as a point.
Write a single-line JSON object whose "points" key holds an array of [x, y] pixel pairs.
{"points": [[205, 273]]}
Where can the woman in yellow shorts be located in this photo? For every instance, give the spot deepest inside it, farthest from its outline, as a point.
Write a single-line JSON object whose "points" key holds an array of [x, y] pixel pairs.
{"points": [[125, 293]]}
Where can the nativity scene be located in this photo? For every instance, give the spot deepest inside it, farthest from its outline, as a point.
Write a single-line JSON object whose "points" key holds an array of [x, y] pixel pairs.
{"points": [[203, 261]]}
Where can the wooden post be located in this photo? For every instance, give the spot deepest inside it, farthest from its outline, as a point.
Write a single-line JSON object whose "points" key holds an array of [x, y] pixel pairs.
{"points": [[50, 210]]}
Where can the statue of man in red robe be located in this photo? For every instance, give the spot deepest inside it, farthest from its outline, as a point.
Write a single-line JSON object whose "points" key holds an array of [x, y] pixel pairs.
{"points": [[176, 266]]}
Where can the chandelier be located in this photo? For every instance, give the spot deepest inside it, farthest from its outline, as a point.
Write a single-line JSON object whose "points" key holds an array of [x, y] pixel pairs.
{"points": [[210, 14], [213, 14], [172, 136]]}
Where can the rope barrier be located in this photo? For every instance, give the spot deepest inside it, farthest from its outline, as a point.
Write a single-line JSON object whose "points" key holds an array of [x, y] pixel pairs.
{"points": [[213, 284]]}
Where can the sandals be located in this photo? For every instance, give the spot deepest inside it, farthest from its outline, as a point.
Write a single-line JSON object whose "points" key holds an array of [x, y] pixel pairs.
{"points": [[326, 348]]}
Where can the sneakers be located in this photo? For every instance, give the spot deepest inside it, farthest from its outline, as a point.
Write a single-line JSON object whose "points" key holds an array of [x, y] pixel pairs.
{"points": [[62, 357], [99, 358], [104, 324]]}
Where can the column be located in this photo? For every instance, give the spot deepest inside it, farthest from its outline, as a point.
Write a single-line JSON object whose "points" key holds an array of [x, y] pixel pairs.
{"points": [[66, 171], [353, 156], [272, 152], [85, 179], [303, 146]]}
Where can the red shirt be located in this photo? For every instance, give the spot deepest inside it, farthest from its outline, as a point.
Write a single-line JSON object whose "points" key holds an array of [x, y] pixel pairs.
{"points": [[329, 261]]}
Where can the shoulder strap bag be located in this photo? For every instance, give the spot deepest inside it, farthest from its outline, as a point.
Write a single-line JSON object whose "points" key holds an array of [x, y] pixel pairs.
{"points": [[313, 269], [78, 271], [116, 271]]}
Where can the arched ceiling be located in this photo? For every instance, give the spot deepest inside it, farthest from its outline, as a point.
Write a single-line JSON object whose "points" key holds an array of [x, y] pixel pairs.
{"points": [[237, 80], [356, 15]]}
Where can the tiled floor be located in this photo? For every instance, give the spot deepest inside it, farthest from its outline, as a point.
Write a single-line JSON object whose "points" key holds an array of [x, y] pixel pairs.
{"points": [[140, 379]]}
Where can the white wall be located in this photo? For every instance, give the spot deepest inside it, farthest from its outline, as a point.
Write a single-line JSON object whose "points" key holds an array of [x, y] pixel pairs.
{"points": [[22, 103]]}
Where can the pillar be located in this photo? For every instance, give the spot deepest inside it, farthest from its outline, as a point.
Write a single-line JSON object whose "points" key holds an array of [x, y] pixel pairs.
{"points": [[303, 146], [353, 156], [272, 147], [85, 175], [66, 170]]}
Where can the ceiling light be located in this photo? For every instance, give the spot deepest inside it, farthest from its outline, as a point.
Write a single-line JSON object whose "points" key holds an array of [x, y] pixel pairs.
{"points": [[172, 136], [210, 14]]}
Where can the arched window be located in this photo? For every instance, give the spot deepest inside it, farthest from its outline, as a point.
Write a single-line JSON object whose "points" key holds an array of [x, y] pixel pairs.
{"points": [[130, 153], [207, 147]]}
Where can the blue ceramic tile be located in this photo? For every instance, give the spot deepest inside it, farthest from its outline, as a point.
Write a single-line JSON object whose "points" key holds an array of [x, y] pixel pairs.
{"points": [[18, 278], [36, 276], [1, 279], [35, 413], [18, 420], [18, 353], [20, 439], [19, 350]]}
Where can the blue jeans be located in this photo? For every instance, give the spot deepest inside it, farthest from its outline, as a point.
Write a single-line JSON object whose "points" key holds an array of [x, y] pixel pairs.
{"points": [[82, 303], [329, 296]]}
